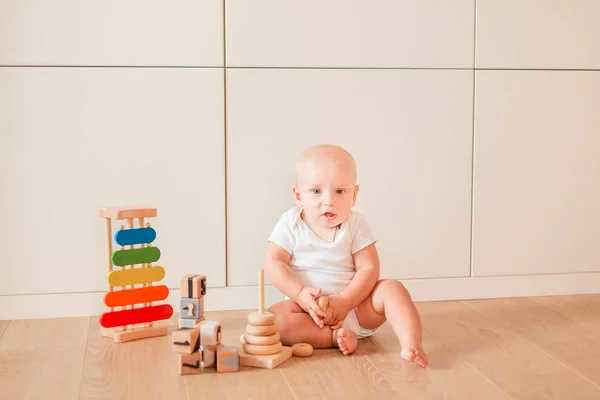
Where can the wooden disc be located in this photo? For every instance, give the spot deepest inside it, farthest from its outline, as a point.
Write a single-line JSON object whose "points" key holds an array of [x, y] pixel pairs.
{"points": [[262, 350], [262, 340], [302, 349], [323, 303], [258, 330], [261, 319]]}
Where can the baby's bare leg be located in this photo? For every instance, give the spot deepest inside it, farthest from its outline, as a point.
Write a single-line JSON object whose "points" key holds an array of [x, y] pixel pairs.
{"points": [[390, 301], [296, 326]]}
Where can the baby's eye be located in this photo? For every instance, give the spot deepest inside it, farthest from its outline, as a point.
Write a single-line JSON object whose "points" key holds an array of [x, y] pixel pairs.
{"points": [[316, 191], [340, 191]]}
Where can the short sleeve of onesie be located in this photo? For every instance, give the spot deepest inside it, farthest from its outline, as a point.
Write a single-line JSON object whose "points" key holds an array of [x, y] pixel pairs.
{"points": [[362, 236], [282, 234]]}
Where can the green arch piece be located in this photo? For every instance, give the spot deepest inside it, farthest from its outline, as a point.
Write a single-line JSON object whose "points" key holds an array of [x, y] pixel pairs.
{"points": [[135, 256]]}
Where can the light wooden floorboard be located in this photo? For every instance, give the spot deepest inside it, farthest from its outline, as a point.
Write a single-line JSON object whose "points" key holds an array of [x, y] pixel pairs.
{"points": [[582, 309], [328, 374], [142, 369], [501, 349], [43, 358], [490, 344], [3, 325], [552, 330]]}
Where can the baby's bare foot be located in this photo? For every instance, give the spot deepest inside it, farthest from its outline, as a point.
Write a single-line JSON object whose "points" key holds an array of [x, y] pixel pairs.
{"points": [[414, 353], [347, 341]]}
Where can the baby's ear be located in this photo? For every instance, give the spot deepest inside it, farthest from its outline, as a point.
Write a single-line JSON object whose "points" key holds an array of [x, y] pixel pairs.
{"points": [[356, 187], [296, 193]]}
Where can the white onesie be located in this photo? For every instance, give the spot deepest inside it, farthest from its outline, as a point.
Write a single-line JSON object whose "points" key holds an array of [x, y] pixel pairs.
{"points": [[320, 264]]}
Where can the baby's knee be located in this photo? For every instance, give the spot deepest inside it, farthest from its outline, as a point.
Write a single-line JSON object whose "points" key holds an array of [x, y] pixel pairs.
{"points": [[283, 313], [277, 308], [391, 285]]}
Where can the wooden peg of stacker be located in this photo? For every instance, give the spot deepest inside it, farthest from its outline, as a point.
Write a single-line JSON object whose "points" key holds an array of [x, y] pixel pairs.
{"points": [[261, 317]]}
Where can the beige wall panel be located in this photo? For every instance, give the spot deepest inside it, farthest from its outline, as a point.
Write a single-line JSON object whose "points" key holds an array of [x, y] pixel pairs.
{"points": [[350, 33], [540, 34], [121, 33], [76, 139], [410, 132], [537, 172]]}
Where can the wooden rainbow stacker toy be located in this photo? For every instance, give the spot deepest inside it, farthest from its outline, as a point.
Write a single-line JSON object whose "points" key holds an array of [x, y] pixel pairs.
{"points": [[135, 299]]}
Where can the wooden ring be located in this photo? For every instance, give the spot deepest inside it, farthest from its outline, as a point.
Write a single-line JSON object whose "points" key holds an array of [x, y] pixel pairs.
{"points": [[302, 349], [257, 319], [262, 350], [261, 340], [264, 330]]}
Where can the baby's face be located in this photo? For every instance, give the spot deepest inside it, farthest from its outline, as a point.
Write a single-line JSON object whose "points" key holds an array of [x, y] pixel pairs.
{"points": [[326, 190]]}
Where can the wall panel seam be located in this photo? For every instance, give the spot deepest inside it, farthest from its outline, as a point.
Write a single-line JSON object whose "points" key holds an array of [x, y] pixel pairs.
{"points": [[473, 111], [226, 230]]}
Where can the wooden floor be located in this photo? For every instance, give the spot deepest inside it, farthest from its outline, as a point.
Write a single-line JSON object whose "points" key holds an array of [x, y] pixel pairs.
{"points": [[526, 348]]}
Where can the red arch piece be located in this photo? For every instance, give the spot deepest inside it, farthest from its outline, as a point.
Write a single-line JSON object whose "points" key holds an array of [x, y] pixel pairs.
{"points": [[136, 316]]}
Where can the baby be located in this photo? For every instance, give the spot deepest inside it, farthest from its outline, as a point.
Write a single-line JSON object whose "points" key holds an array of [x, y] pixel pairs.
{"points": [[322, 247]]}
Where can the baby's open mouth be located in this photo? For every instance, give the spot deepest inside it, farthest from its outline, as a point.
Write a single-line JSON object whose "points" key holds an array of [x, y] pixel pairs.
{"points": [[329, 215]]}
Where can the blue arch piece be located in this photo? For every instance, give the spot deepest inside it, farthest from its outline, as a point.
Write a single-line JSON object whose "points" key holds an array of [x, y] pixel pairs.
{"points": [[128, 237]]}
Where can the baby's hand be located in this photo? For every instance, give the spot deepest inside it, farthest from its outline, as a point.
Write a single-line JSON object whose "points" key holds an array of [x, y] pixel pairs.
{"points": [[306, 300], [337, 310]]}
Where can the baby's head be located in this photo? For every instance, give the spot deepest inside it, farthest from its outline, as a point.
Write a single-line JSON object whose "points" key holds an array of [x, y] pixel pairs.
{"points": [[326, 184]]}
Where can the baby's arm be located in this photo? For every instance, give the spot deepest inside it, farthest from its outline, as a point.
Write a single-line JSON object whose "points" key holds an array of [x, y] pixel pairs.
{"points": [[277, 268], [366, 262]]}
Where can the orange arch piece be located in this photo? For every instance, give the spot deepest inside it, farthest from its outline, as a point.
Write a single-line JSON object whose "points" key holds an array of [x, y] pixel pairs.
{"points": [[135, 296], [136, 316]]}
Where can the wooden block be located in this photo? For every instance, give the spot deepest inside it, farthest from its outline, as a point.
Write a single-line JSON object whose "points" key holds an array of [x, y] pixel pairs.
{"points": [[191, 308], [192, 286], [210, 333], [209, 355], [190, 323], [228, 359], [190, 364], [186, 340], [127, 212], [265, 361]]}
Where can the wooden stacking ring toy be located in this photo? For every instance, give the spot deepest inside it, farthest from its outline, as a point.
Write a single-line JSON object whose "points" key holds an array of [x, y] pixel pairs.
{"points": [[302, 349], [262, 350], [261, 340], [264, 330], [263, 319], [261, 343]]}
